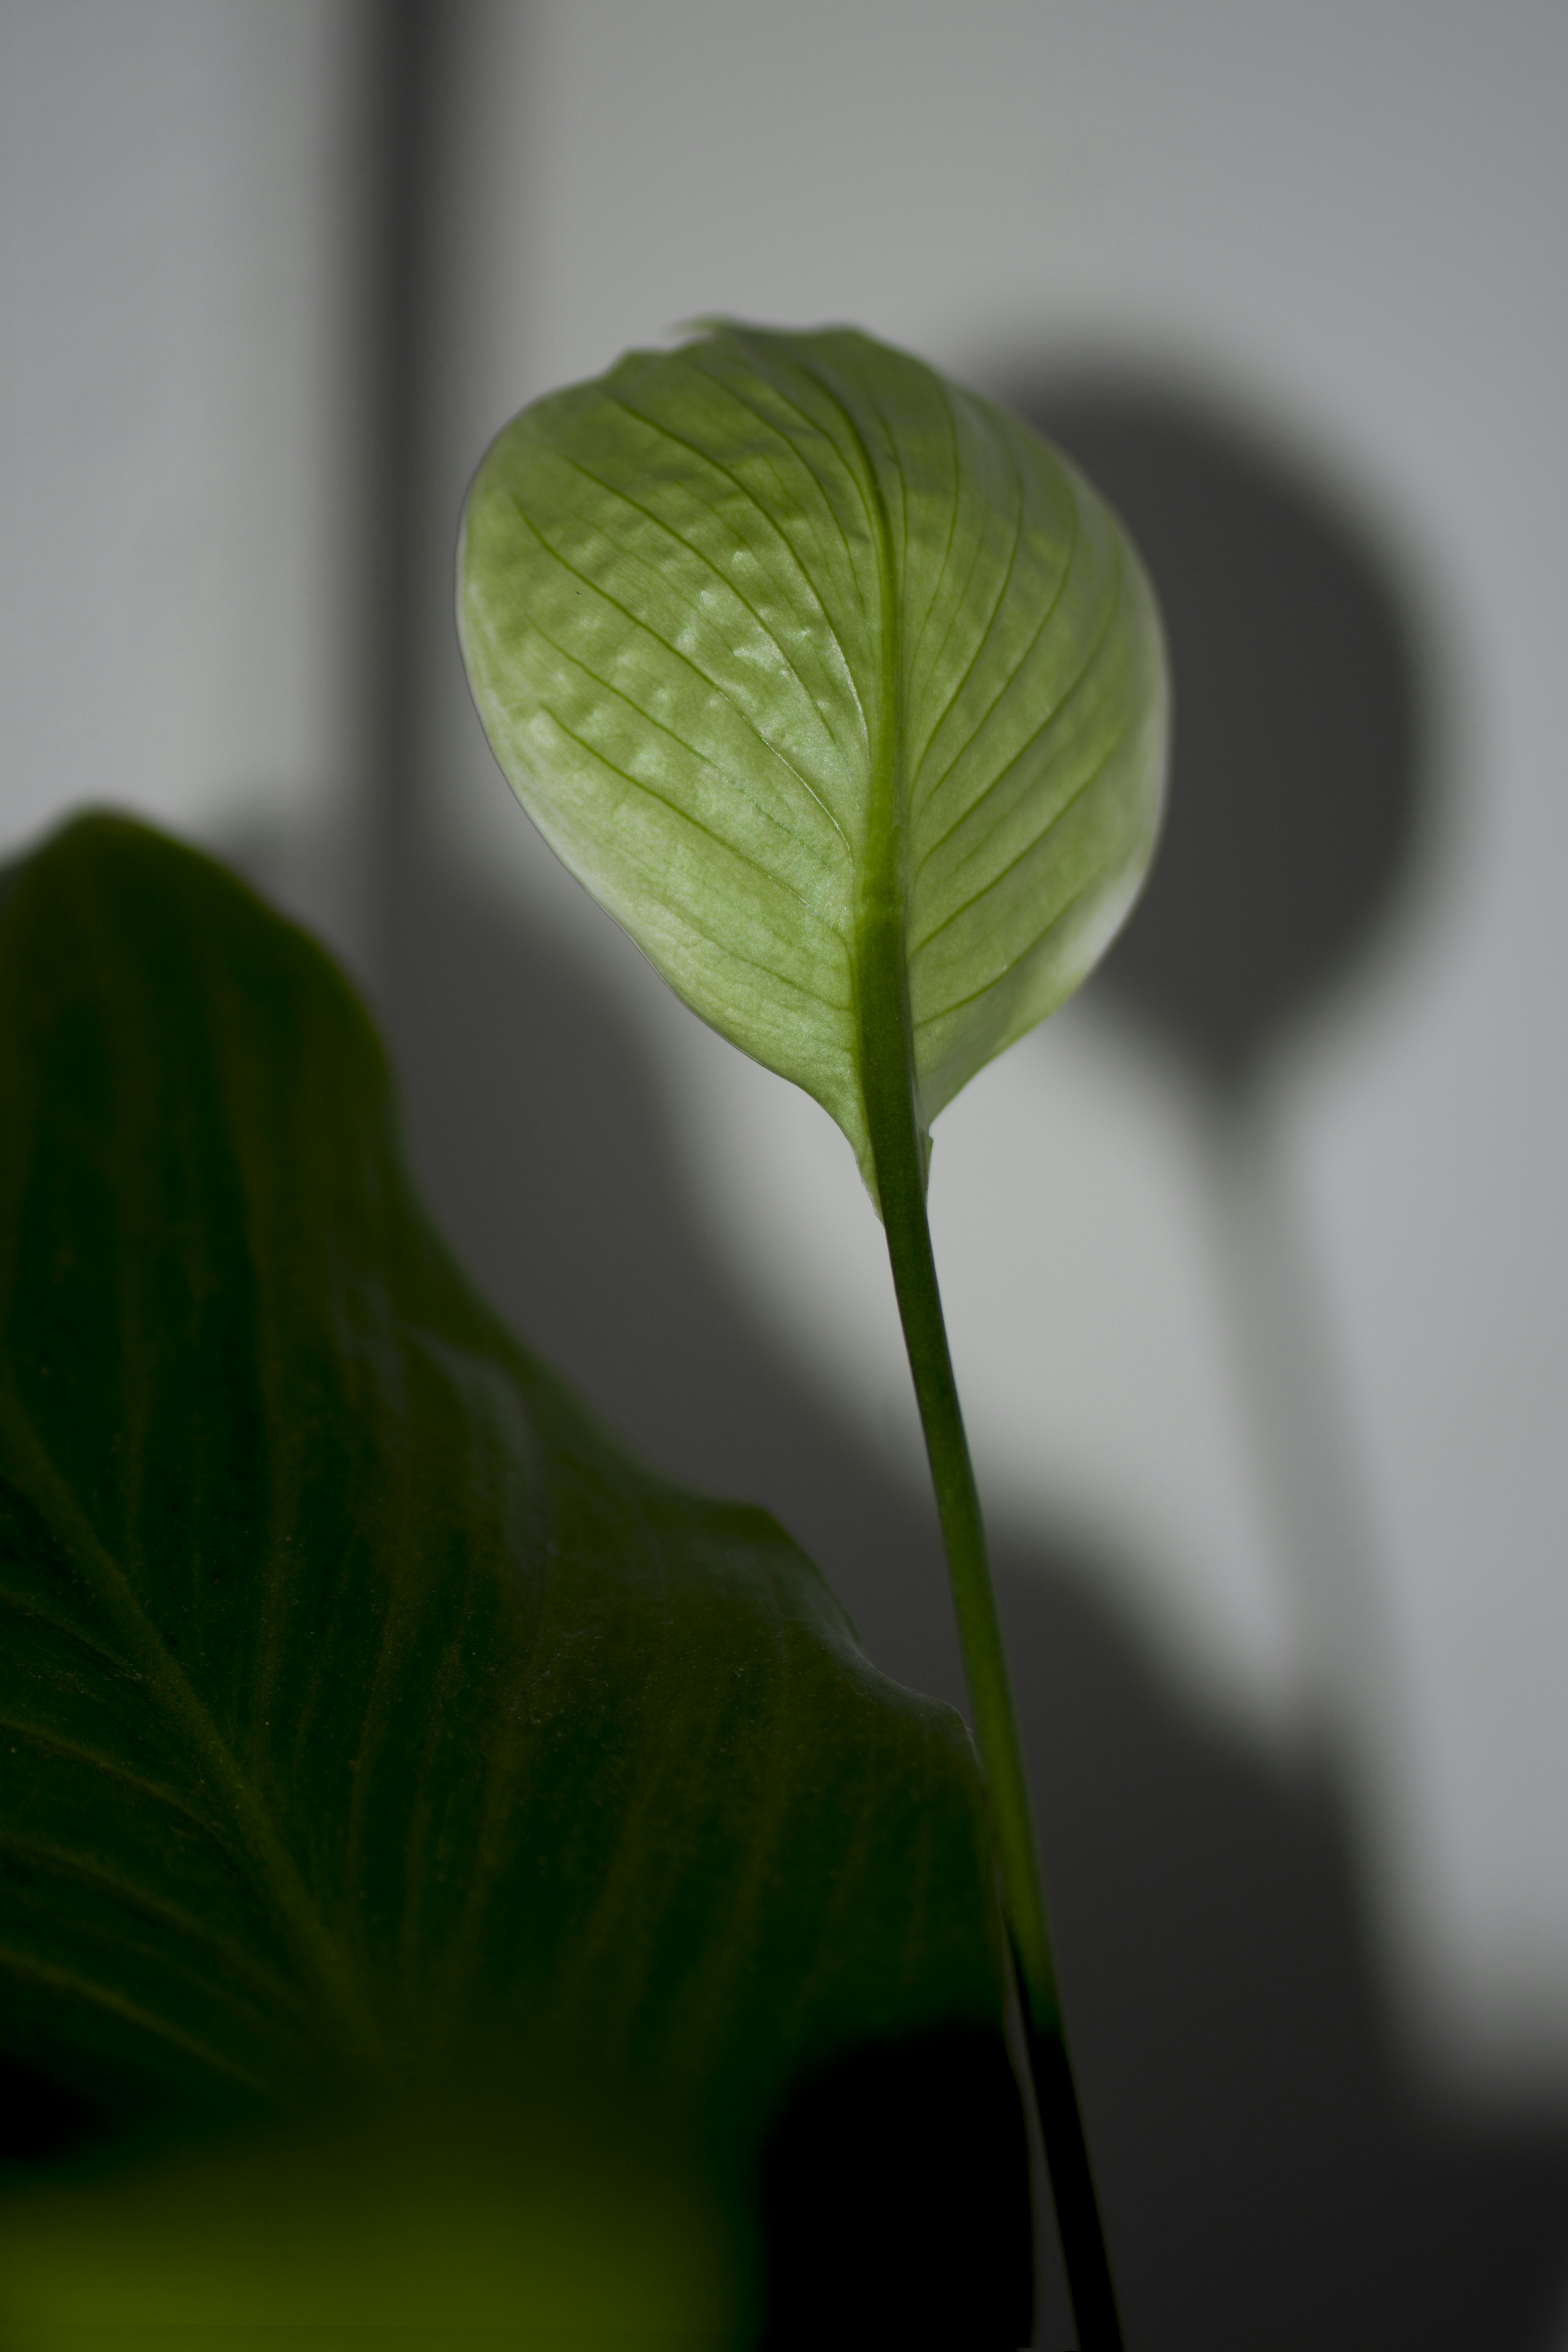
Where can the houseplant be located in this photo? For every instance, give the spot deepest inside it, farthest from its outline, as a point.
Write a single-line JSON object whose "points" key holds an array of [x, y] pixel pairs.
{"points": [[388, 1752]]}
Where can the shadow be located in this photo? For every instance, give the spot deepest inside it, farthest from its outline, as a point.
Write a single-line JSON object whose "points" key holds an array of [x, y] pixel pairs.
{"points": [[42, 2119], [1296, 812], [1296, 785], [870, 2236], [1299, 815], [1269, 2176]]}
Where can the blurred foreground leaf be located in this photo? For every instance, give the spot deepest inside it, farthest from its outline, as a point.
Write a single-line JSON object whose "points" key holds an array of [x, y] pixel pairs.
{"points": [[370, 1726], [803, 657], [240, 2246]]}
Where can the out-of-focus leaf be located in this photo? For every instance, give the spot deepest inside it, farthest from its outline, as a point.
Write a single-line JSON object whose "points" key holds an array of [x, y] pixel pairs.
{"points": [[426, 2236], [368, 1722], [782, 638]]}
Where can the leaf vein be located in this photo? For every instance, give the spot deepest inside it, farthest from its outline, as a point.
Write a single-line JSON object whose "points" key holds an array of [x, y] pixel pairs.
{"points": [[35, 1970], [1016, 672], [928, 1019], [997, 880], [716, 464], [696, 671], [636, 784]]}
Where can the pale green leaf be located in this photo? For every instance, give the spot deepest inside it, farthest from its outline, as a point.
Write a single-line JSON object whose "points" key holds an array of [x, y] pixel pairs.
{"points": [[777, 635]]}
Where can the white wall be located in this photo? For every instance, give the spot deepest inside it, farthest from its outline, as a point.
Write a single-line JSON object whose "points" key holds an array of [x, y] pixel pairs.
{"points": [[175, 207]]}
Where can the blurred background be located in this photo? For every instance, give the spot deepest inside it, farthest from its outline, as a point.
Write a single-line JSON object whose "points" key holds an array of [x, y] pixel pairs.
{"points": [[1254, 1254]]}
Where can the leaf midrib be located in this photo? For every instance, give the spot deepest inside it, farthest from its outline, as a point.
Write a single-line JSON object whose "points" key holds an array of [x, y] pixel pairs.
{"points": [[881, 965]]}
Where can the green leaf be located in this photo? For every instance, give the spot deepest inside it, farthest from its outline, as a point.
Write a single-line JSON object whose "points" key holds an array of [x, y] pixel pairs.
{"points": [[783, 641], [368, 1722], [429, 2236]]}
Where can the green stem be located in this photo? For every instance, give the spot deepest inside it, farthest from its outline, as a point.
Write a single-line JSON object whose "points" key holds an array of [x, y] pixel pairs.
{"points": [[901, 1181], [898, 1152]]}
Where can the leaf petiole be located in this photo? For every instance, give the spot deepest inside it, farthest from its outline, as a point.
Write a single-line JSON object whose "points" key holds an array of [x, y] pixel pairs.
{"points": [[900, 1157]]}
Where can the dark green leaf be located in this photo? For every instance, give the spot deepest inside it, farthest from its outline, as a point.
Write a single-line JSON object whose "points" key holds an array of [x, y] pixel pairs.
{"points": [[366, 1718]]}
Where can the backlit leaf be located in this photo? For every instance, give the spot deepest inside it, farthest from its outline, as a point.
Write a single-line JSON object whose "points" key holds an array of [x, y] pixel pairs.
{"points": [[779, 636]]}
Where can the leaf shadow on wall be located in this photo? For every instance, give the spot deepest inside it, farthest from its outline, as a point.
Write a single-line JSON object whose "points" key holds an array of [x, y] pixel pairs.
{"points": [[1296, 831], [1271, 2174], [1300, 826]]}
